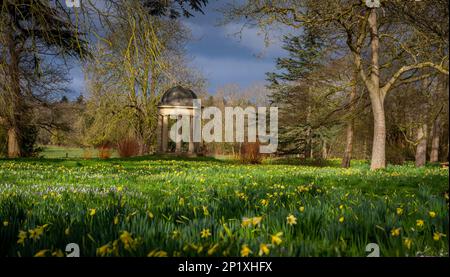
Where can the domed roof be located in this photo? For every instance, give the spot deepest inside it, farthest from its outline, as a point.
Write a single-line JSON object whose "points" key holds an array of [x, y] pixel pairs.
{"points": [[178, 96]]}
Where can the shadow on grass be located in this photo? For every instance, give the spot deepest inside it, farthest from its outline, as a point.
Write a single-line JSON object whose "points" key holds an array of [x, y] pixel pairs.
{"points": [[310, 162]]}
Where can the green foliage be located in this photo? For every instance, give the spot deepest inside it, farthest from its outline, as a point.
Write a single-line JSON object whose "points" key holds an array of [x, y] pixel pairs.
{"points": [[159, 206], [305, 53], [28, 146], [304, 99]]}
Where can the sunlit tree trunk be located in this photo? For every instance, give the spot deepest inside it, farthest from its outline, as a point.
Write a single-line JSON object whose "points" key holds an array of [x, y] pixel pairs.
{"points": [[324, 150], [421, 149], [379, 133], [377, 99], [13, 143]]}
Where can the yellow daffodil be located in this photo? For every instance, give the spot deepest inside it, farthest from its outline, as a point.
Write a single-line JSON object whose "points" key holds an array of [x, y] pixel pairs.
{"points": [[341, 219], [119, 188], [67, 231], [399, 211], [41, 253], [341, 207], [36, 233], [256, 220], [263, 249], [407, 242], [245, 251], [395, 232], [176, 234], [253, 221], [22, 236], [276, 239], [246, 222], [205, 233], [157, 253], [115, 248], [420, 223], [302, 209], [437, 236], [205, 211], [291, 219], [58, 253], [432, 214], [213, 249], [103, 250], [127, 240], [92, 212], [264, 202]]}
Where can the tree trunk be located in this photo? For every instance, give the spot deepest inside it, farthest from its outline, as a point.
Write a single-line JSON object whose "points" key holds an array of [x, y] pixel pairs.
{"points": [[365, 148], [377, 98], [324, 150], [350, 125], [308, 142], [434, 156], [13, 143], [15, 102], [421, 149], [348, 146], [379, 133]]}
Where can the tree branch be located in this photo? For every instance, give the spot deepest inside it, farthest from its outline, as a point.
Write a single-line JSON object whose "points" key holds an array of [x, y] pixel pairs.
{"points": [[385, 89], [411, 80]]}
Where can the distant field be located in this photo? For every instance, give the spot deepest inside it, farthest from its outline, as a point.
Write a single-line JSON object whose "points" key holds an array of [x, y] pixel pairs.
{"points": [[161, 206], [57, 152]]}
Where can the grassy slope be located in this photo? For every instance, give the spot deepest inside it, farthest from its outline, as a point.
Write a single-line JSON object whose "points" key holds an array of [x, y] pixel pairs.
{"points": [[160, 197]]}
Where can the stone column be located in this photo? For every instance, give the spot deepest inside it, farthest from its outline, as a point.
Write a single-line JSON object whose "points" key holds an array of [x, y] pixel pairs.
{"points": [[165, 134], [178, 143], [159, 134], [191, 136]]}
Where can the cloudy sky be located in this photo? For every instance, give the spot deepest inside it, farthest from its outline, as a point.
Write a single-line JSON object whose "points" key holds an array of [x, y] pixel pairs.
{"points": [[222, 56]]}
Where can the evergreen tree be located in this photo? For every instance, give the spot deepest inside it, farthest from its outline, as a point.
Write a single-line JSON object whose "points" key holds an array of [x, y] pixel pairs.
{"points": [[293, 92]]}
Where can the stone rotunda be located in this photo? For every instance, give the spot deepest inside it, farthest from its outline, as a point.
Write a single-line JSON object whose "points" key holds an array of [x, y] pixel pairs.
{"points": [[175, 103]]}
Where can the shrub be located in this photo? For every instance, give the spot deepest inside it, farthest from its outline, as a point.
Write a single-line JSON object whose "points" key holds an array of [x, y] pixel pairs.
{"points": [[128, 147], [249, 153], [104, 152], [28, 141]]}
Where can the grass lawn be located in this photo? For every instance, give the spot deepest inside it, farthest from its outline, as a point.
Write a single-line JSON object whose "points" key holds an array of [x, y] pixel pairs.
{"points": [[158, 206], [60, 152]]}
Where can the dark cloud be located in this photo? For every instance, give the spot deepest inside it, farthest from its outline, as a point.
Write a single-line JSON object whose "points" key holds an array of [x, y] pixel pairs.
{"points": [[221, 55]]}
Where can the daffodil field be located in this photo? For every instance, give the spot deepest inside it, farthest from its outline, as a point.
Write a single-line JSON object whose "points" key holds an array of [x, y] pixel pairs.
{"points": [[158, 206]]}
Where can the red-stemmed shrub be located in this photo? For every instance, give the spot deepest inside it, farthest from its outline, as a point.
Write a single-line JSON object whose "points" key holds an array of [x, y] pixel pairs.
{"points": [[249, 153], [104, 151], [128, 147]]}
